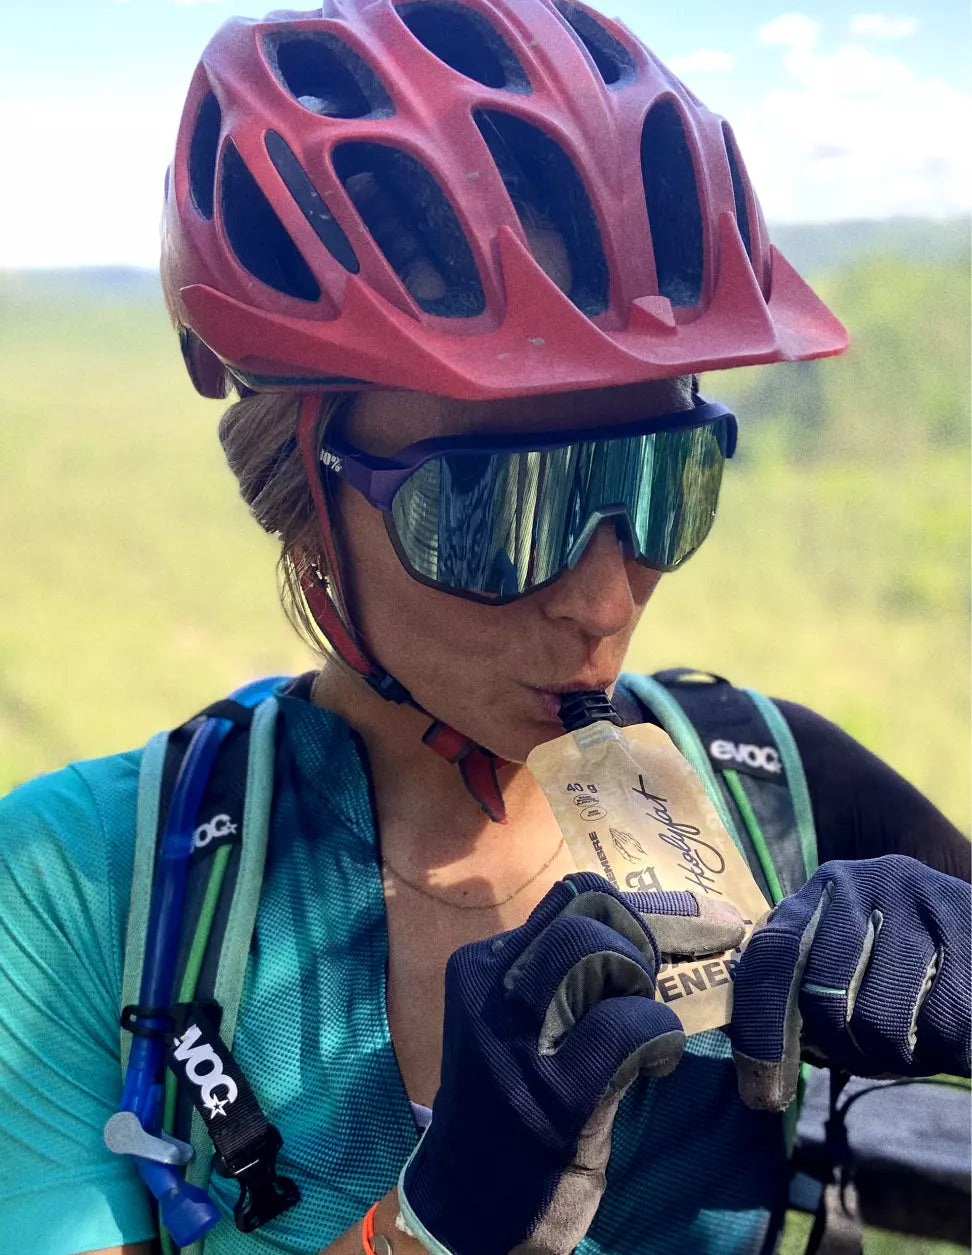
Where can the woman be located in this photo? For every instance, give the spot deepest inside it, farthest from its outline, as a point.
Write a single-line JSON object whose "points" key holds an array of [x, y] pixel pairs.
{"points": [[503, 228]]}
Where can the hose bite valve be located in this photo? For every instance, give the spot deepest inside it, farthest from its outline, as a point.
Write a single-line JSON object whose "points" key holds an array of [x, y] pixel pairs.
{"points": [[580, 710]]}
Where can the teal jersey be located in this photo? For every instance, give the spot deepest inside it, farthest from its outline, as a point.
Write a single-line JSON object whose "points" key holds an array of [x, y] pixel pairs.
{"points": [[691, 1168]]}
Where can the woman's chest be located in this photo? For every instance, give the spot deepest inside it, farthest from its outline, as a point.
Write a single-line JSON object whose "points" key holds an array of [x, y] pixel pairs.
{"points": [[415, 1002], [422, 936]]}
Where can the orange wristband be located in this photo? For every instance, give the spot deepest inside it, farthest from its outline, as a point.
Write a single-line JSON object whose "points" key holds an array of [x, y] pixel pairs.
{"points": [[368, 1231]]}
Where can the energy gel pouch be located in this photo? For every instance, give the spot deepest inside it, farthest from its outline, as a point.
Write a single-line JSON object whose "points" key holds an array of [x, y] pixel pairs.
{"points": [[632, 809]]}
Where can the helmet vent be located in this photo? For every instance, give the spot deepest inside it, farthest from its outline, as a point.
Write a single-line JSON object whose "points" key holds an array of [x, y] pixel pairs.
{"points": [[202, 155], [326, 76], [553, 206], [466, 42], [257, 236], [310, 203], [416, 228], [614, 62], [672, 197], [738, 188]]}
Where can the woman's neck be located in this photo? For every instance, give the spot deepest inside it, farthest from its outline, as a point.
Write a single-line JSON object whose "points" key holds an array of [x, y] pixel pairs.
{"points": [[427, 817]]}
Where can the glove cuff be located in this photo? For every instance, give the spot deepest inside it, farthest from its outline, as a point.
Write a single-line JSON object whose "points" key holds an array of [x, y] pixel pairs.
{"points": [[407, 1220]]}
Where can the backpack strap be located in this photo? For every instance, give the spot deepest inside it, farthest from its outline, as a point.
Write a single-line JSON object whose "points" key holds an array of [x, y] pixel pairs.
{"points": [[223, 880], [795, 776], [215, 944], [146, 833], [229, 949]]}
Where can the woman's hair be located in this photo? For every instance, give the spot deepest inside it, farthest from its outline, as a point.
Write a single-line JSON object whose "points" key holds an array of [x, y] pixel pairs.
{"points": [[259, 438]]}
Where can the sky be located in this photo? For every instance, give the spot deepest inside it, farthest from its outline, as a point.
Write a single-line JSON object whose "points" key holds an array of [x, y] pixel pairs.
{"points": [[841, 110]]}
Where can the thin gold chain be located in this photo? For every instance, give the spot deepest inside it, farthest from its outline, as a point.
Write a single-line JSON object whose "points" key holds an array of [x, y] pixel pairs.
{"points": [[465, 906]]}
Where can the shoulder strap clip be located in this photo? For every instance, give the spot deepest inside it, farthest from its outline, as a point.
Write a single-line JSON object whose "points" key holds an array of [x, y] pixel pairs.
{"points": [[264, 1193], [246, 1143]]}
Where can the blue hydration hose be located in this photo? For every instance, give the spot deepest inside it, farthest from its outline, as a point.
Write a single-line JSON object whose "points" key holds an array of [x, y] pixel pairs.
{"points": [[187, 1211]]}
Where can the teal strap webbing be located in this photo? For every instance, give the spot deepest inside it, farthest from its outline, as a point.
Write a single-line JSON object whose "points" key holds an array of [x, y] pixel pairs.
{"points": [[143, 872], [682, 731], [235, 949], [256, 830], [796, 778], [760, 846]]}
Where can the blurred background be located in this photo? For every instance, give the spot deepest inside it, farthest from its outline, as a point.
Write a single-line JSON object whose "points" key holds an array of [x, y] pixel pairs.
{"points": [[133, 587]]}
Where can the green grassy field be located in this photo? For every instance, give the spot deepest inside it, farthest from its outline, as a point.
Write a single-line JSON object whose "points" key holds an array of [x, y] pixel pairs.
{"points": [[134, 589]]}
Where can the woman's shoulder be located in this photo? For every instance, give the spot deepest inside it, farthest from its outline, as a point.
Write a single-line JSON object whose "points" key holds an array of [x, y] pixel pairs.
{"points": [[67, 844], [84, 803]]}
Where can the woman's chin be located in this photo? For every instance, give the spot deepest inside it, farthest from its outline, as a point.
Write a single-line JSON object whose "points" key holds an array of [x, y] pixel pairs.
{"points": [[516, 741]]}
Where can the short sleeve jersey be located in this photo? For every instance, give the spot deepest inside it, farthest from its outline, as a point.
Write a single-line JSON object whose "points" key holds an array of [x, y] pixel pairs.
{"points": [[691, 1168]]}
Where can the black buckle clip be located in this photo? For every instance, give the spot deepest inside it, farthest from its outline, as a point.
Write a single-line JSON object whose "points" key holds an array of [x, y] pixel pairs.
{"points": [[387, 686], [263, 1193], [158, 1028]]}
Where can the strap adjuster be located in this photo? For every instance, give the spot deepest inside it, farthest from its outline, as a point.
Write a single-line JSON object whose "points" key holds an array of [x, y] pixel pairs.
{"points": [[264, 1194]]}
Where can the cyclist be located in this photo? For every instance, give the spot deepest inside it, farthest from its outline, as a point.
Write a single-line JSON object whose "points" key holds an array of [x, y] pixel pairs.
{"points": [[453, 256]]}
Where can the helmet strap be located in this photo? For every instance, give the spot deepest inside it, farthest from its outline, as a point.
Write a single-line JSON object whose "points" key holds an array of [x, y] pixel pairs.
{"points": [[477, 766]]}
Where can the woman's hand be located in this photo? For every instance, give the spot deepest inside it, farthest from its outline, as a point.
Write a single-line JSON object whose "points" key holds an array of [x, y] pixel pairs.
{"points": [[867, 968], [545, 1029]]}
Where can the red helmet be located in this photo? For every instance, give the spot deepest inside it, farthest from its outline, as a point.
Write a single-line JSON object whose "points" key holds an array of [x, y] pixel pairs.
{"points": [[353, 188]]}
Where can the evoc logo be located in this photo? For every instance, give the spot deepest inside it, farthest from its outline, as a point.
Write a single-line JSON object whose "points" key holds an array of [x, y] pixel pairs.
{"points": [[764, 757], [204, 1068], [218, 826]]}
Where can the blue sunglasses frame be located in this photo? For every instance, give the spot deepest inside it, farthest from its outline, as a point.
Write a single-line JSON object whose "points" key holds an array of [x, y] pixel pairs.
{"points": [[379, 478]]}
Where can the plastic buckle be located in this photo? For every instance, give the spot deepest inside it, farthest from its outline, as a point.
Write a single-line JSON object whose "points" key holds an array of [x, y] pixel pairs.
{"points": [[160, 1023], [263, 1193], [388, 687]]}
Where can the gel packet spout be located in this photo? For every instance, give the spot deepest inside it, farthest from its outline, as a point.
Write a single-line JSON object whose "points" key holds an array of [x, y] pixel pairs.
{"points": [[633, 809]]}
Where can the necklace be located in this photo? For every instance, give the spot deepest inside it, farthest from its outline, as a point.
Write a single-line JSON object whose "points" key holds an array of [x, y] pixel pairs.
{"points": [[463, 906]]}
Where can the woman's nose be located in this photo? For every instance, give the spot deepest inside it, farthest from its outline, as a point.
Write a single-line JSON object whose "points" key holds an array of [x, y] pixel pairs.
{"points": [[597, 593]]}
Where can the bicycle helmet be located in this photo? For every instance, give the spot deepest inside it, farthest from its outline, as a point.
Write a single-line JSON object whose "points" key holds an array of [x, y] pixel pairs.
{"points": [[311, 144]]}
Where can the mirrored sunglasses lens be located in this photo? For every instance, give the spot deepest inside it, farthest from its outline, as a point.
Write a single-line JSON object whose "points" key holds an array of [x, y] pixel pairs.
{"points": [[500, 525], [677, 514]]}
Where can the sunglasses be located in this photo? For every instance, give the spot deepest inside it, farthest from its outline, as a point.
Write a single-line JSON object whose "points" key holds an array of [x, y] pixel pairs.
{"points": [[496, 517]]}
